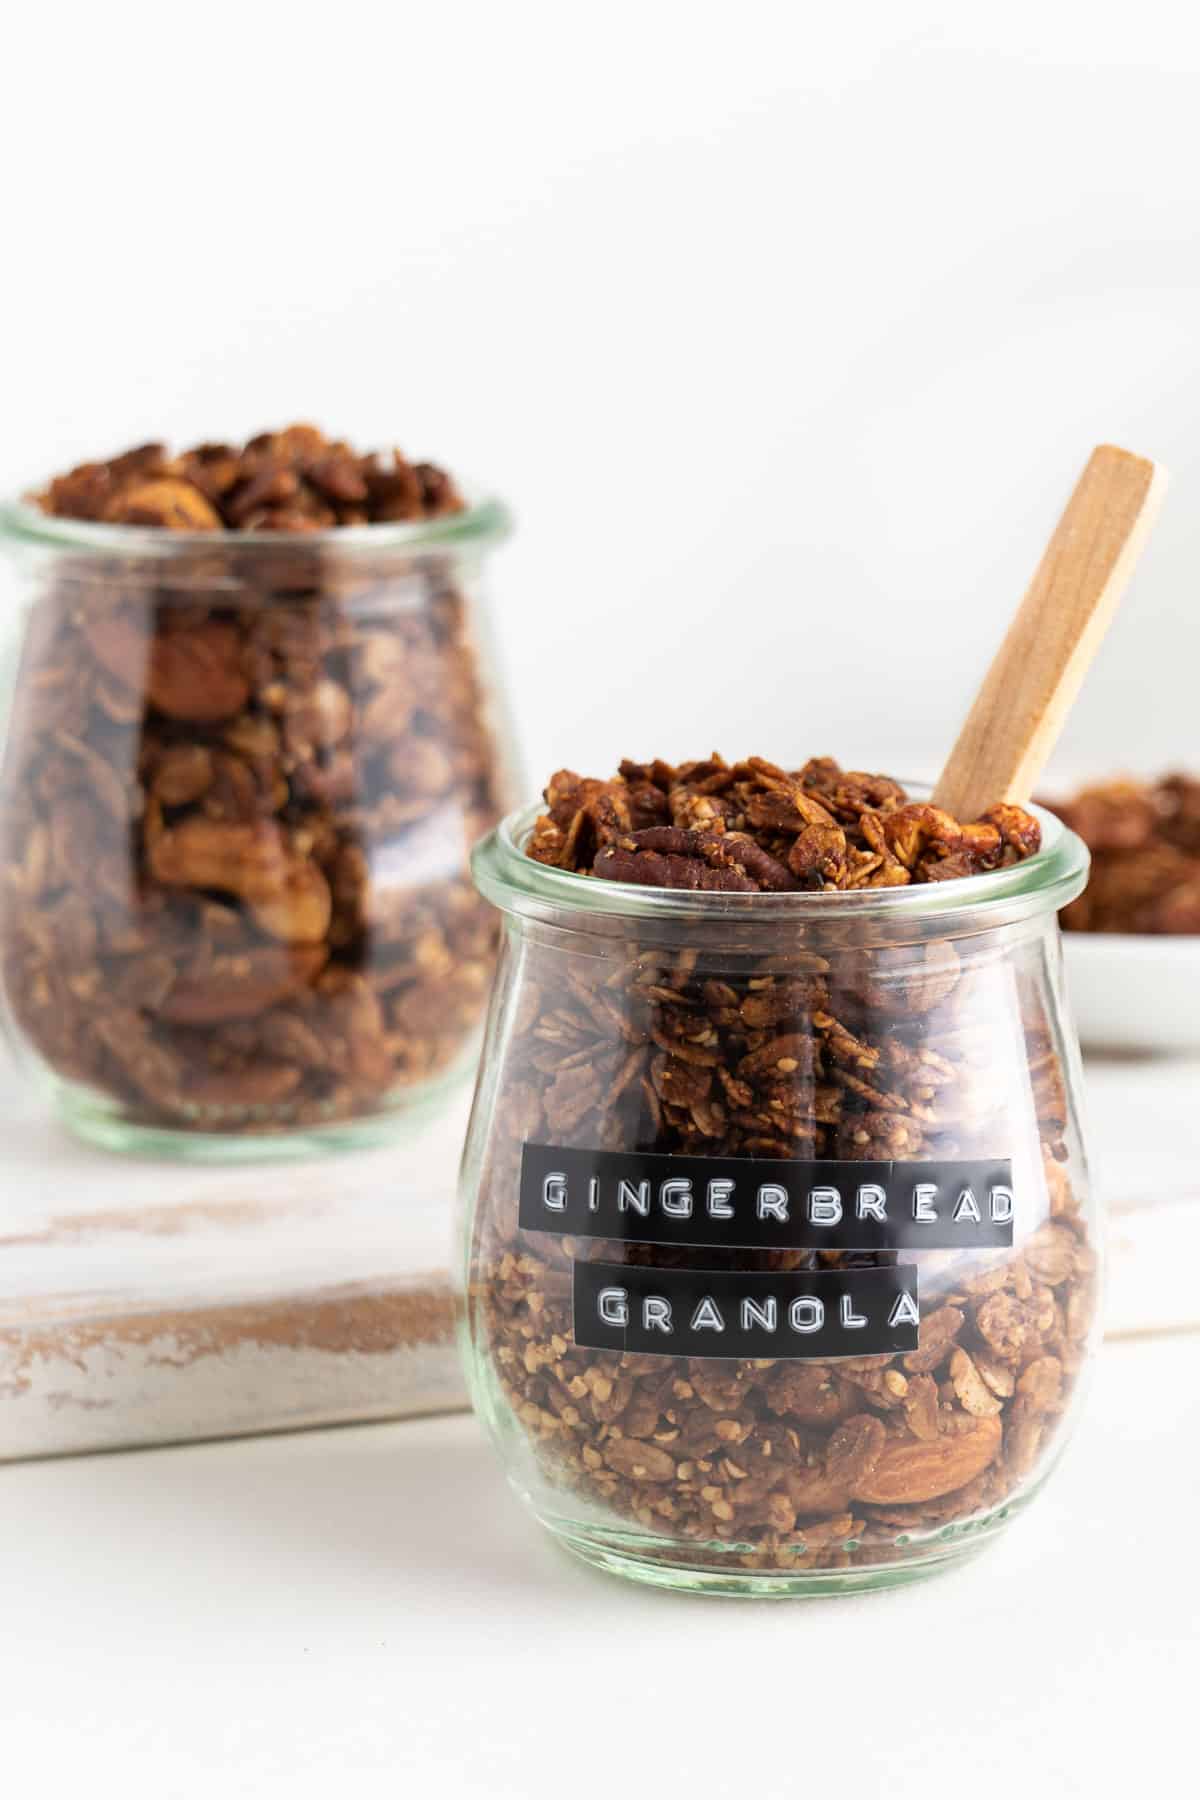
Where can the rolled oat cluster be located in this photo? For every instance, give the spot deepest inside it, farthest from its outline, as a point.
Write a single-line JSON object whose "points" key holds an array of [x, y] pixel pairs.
{"points": [[920, 1050], [705, 825], [242, 778], [295, 480]]}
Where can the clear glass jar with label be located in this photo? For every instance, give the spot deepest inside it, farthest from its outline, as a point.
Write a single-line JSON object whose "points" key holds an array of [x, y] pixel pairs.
{"points": [[780, 1265]]}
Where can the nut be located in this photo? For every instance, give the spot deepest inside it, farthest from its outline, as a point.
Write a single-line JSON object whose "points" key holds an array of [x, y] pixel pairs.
{"points": [[912, 1470], [287, 893], [638, 1461], [170, 504], [196, 674]]}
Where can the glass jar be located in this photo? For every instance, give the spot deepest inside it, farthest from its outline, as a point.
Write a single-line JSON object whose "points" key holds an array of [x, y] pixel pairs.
{"points": [[846, 1355], [241, 778]]}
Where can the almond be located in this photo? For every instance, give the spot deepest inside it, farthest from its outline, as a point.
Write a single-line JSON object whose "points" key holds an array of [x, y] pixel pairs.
{"points": [[638, 1461], [911, 1470]]}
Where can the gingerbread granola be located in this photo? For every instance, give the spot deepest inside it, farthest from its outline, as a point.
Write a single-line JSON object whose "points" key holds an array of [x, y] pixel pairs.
{"points": [[902, 1052]]}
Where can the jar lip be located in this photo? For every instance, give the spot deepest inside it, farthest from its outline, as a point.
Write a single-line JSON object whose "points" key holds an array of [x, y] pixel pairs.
{"points": [[485, 520], [1044, 882]]}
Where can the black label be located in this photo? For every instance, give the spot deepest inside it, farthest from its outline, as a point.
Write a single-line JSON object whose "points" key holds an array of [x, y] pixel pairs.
{"points": [[699, 1312], [733, 1202]]}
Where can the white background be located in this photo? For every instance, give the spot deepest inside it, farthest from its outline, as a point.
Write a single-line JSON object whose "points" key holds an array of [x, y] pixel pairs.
{"points": [[784, 328]]}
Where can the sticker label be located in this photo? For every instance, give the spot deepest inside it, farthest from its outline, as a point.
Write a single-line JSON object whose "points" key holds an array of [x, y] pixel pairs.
{"points": [[727, 1202], [699, 1312]]}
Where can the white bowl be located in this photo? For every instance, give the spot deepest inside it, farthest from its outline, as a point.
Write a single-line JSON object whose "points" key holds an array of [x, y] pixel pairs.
{"points": [[1134, 993]]}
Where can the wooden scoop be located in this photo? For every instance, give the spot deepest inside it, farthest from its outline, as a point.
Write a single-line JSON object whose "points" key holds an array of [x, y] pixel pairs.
{"points": [[1036, 673]]}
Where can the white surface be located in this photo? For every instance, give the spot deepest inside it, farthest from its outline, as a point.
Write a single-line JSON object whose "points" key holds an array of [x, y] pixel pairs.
{"points": [[1143, 1129], [367, 1612], [1134, 993], [785, 328], [116, 1276], [105, 1233]]}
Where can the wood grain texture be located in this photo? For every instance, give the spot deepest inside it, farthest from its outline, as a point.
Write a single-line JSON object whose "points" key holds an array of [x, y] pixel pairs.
{"points": [[1035, 675]]}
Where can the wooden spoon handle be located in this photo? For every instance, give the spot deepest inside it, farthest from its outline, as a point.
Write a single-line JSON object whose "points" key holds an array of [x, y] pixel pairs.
{"points": [[1035, 675]]}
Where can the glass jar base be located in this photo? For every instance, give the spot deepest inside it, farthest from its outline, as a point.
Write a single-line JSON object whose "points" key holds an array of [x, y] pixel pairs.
{"points": [[669, 1567], [88, 1116]]}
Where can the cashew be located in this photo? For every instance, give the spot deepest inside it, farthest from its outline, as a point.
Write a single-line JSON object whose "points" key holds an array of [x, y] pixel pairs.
{"points": [[287, 894]]}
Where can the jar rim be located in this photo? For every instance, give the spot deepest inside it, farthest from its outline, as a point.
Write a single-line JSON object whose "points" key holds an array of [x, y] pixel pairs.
{"points": [[1042, 883], [485, 520]]}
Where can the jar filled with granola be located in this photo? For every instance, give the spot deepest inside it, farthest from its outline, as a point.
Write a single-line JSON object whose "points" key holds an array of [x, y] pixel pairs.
{"points": [[780, 1260], [252, 734]]}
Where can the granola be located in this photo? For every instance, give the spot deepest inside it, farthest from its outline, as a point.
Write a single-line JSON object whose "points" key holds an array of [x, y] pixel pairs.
{"points": [[1145, 843], [902, 1051], [295, 480], [241, 781]]}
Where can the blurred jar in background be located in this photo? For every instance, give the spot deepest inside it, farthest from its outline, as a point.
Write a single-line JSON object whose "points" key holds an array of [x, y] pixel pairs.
{"points": [[243, 771]]}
